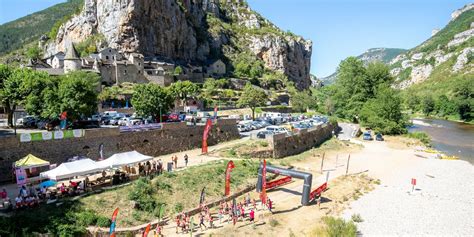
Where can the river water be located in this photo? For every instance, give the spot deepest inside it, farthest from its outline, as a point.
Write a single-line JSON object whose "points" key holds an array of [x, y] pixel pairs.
{"points": [[452, 138]]}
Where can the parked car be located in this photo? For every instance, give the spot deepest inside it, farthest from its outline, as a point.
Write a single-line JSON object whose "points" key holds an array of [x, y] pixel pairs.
{"points": [[115, 120], [242, 128], [367, 136], [105, 120], [124, 121], [275, 129], [27, 121], [264, 134], [136, 121], [85, 124], [379, 137]]}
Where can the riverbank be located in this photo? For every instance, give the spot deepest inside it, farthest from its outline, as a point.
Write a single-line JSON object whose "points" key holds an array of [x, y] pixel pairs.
{"points": [[441, 203]]}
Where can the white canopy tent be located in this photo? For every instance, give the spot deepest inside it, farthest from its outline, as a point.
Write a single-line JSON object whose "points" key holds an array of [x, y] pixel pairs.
{"points": [[125, 158], [71, 169]]}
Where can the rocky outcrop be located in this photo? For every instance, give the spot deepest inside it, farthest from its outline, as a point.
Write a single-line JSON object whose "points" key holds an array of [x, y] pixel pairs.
{"points": [[178, 30], [449, 52], [285, 54]]}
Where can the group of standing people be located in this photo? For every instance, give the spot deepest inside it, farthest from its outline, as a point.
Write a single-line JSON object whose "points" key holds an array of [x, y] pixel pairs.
{"points": [[149, 168]]}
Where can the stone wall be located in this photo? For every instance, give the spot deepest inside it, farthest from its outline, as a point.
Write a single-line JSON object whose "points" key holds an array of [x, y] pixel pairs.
{"points": [[304, 140], [174, 137]]}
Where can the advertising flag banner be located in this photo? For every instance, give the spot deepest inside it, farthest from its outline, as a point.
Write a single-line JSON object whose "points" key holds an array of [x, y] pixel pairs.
{"points": [[205, 135], [20, 176], [230, 166], [147, 230], [263, 194], [203, 193], [112, 226]]}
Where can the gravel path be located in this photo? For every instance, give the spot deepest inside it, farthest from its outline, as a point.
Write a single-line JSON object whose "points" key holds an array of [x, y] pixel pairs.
{"points": [[441, 205]]}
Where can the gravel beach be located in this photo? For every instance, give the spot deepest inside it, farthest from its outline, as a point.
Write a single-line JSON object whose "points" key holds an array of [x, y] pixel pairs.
{"points": [[441, 205]]}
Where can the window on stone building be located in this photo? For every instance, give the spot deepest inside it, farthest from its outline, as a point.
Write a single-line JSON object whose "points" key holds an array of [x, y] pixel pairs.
{"points": [[107, 57], [125, 71]]}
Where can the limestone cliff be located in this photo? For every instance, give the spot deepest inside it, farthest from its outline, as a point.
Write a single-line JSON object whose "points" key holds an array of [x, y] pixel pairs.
{"points": [[189, 31]]}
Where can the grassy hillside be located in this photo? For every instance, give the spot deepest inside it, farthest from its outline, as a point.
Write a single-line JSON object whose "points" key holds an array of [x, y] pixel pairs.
{"points": [[441, 39], [25, 30]]}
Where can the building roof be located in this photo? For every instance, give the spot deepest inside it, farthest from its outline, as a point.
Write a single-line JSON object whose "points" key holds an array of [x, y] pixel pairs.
{"points": [[71, 52]]}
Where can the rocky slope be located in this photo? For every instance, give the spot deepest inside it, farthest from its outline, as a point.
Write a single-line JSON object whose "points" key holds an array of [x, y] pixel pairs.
{"points": [[449, 52], [384, 55], [189, 31]]}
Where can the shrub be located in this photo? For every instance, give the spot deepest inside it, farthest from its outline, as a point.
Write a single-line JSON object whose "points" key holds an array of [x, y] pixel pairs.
{"points": [[336, 227], [274, 223], [142, 193], [422, 136], [357, 218], [86, 218], [103, 221]]}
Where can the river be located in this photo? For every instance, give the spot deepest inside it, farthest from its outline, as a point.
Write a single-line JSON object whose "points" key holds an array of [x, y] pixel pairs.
{"points": [[452, 138]]}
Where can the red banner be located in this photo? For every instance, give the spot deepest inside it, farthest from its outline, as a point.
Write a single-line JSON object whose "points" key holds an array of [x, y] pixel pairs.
{"points": [[413, 181], [112, 226], [278, 182], [147, 230], [318, 191], [205, 135], [263, 194], [230, 166]]}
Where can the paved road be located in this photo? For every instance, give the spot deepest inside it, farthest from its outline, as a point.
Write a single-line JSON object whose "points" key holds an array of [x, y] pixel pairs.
{"points": [[348, 131]]}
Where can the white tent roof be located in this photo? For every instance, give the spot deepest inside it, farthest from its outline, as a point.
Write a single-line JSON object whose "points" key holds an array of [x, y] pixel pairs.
{"points": [[71, 169], [125, 158]]}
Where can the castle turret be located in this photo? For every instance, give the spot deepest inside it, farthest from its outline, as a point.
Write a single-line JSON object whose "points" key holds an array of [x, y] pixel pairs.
{"points": [[72, 62]]}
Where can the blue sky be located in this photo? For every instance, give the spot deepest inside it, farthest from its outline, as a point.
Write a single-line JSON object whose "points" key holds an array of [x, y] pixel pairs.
{"points": [[338, 28]]}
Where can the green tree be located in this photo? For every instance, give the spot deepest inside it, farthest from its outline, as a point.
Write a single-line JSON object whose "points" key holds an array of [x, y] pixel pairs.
{"points": [[252, 97], [34, 52], [444, 106], [350, 88], [109, 93], [377, 74], [8, 98], [427, 105], [383, 113], [178, 70], [76, 94], [464, 97], [301, 101], [182, 90], [247, 65], [151, 100], [413, 102]]}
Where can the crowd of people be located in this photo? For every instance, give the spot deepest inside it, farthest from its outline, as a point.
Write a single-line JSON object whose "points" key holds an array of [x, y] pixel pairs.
{"points": [[227, 212]]}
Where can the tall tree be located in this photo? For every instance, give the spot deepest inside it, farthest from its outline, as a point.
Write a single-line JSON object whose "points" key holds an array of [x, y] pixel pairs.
{"points": [[77, 94], [350, 88], [182, 90], [252, 97], [383, 113], [151, 100]]}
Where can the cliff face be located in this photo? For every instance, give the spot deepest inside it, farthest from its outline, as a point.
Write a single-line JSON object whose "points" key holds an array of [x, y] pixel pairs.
{"points": [[185, 30]]}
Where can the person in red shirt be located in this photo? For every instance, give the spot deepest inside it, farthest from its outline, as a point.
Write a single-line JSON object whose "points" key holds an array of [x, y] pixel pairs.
{"points": [[252, 216], [4, 194]]}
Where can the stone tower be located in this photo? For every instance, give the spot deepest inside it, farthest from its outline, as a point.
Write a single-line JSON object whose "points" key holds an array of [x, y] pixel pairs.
{"points": [[72, 62]]}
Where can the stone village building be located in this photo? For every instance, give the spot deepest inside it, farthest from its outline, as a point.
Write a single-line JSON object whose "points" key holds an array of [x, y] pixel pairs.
{"points": [[116, 68]]}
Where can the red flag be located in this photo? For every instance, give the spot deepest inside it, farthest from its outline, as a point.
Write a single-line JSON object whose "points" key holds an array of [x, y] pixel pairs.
{"points": [[263, 194], [230, 166], [205, 135], [147, 230], [112, 226]]}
